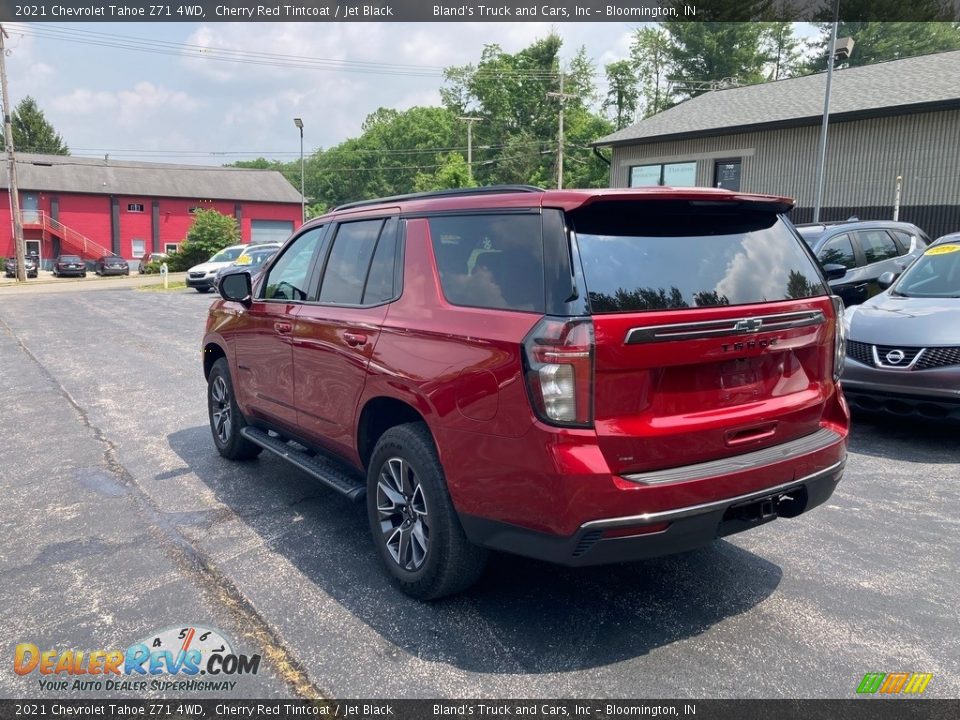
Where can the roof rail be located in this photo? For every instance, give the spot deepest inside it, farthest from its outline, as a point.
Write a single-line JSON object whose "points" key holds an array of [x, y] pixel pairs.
{"points": [[453, 192]]}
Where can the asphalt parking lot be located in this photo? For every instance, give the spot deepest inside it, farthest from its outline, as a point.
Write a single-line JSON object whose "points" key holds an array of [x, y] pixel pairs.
{"points": [[118, 519]]}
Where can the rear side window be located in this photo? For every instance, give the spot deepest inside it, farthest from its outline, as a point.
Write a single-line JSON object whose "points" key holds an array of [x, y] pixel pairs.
{"points": [[490, 261], [674, 254], [838, 251], [877, 245], [349, 262]]}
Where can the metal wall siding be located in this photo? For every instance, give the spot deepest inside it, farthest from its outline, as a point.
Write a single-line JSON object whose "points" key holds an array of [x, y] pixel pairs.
{"points": [[864, 158]]}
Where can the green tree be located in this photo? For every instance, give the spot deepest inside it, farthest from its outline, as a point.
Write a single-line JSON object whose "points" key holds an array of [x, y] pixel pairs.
{"points": [[622, 93], [650, 56], [452, 172], [209, 233], [511, 95], [706, 53], [784, 50], [32, 132], [881, 41]]}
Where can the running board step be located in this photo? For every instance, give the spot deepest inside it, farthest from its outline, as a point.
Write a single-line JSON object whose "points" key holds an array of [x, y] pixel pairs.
{"points": [[340, 479]]}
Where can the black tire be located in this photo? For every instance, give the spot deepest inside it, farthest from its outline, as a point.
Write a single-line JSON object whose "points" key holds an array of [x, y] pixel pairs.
{"points": [[83, 275], [226, 428], [203, 290], [448, 563]]}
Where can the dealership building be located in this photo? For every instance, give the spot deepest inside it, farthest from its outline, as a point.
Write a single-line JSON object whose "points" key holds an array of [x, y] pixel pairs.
{"points": [[897, 119], [93, 207]]}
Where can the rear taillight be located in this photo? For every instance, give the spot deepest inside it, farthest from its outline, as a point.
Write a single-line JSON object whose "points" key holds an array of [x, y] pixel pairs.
{"points": [[839, 338], [558, 357]]}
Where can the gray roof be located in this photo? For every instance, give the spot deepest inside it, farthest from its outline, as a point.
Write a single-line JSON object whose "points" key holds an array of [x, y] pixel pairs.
{"points": [[887, 88], [67, 173]]}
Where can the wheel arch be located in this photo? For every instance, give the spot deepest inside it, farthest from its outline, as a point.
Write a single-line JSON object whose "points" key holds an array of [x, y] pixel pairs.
{"points": [[379, 414], [212, 351]]}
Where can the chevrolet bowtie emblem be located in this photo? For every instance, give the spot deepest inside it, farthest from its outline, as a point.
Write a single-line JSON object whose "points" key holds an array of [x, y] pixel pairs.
{"points": [[748, 325]]}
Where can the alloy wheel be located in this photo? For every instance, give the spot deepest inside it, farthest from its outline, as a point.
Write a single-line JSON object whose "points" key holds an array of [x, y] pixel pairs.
{"points": [[220, 409], [402, 511]]}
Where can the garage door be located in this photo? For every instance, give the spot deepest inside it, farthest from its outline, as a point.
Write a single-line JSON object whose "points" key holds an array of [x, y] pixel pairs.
{"points": [[262, 231]]}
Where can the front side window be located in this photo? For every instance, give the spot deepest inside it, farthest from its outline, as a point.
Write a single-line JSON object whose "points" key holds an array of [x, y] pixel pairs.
{"points": [[673, 255], [838, 251], [288, 278], [490, 261]]}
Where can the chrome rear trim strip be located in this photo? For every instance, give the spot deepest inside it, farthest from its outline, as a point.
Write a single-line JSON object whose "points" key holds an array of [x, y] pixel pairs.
{"points": [[721, 328]]}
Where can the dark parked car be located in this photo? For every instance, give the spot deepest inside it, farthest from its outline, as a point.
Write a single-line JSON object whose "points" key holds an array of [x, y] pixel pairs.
{"points": [[145, 260], [867, 249], [903, 348], [29, 264], [69, 266], [254, 260], [580, 376], [111, 265]]}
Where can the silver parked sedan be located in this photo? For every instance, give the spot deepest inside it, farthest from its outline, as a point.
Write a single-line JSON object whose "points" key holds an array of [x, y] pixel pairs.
{"points": [[903, 345]]}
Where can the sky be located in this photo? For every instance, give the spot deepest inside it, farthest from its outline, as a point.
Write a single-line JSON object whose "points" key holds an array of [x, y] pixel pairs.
{"points": [[173, 106]]}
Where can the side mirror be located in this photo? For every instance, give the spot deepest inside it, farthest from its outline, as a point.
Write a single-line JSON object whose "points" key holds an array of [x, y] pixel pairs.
{"points": [[886, 280], [236, 286], [834, 271]]}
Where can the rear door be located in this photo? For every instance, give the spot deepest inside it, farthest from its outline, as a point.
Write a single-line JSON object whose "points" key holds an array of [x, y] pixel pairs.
{"points": [[336, 335], [714, 331], [880, 253], [839, 250]]}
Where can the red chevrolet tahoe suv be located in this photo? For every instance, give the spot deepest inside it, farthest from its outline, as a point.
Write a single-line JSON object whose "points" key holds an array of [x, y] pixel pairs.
{"points": [[580, 376]]}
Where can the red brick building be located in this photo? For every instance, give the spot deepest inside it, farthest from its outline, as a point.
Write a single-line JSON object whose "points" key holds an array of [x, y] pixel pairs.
{"points": [[91, 207]]}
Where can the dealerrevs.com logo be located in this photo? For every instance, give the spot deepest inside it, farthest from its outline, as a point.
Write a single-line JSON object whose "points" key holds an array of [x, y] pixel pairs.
{"points": [[179, 659]]}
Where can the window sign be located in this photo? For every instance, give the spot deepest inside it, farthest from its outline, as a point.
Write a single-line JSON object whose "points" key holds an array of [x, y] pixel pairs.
{"points": [[645, 175], [680, 174], [674, 174], [726, 175]]}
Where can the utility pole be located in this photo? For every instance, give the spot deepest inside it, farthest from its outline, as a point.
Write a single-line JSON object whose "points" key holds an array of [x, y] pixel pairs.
{"points": [[563, 100], [470, 121], [20, 249]]}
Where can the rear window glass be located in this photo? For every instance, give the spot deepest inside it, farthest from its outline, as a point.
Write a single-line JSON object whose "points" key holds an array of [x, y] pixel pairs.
{"points": [[666, 255], [490, 261]]}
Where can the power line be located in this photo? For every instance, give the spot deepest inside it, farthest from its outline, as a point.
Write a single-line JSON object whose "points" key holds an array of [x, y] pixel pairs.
{"points": [[187, 50]]}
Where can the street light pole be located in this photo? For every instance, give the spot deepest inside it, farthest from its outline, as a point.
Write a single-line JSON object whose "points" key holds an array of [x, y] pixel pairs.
{"points": [[303, 198], [822, 149]]}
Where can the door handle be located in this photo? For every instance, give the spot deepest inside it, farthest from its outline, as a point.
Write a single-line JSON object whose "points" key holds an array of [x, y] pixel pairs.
{"points": [[355, 339], [283, 328]]}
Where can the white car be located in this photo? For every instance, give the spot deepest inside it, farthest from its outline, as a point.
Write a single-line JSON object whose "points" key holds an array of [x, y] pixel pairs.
{"points": [[200, 277]]}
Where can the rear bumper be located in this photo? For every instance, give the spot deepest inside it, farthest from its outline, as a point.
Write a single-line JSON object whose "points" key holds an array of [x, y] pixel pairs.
{"points": [[686, 528]]}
